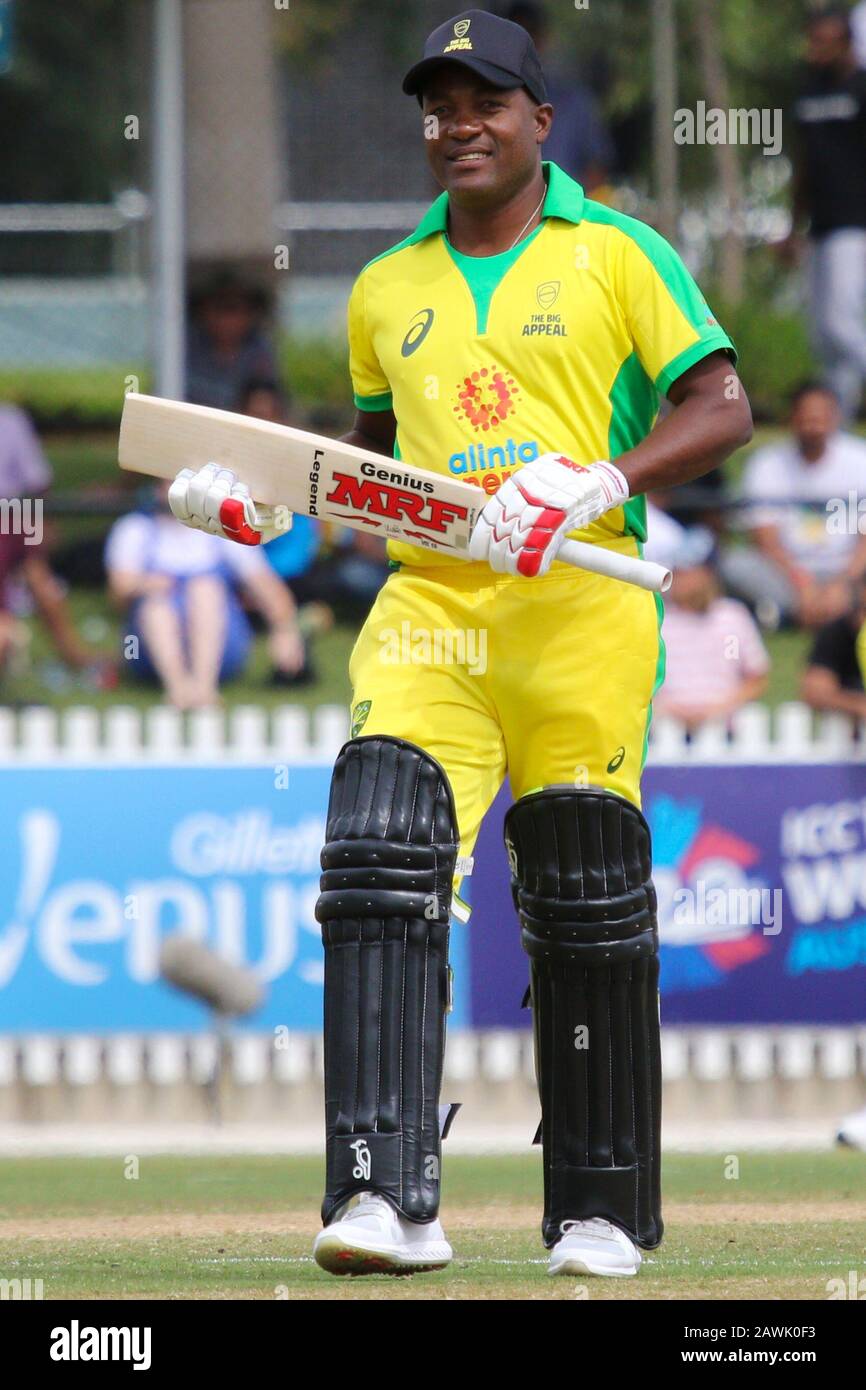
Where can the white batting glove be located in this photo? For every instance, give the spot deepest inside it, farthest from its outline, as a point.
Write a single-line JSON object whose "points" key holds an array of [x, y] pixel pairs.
{"points": [[213, 500], [523, 525]]}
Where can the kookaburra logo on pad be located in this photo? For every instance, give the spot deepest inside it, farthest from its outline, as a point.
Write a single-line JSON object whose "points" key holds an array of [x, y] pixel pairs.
{"points": [[364, 1159]]}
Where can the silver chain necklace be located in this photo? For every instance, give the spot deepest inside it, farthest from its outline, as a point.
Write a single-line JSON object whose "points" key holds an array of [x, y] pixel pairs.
{"points": [[529, 219]]}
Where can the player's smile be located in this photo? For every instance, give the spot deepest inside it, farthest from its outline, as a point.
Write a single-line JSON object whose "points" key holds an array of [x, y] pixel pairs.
{"points": [[468, 161]]}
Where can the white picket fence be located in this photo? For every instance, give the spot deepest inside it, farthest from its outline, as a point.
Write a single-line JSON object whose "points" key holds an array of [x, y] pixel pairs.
{"points": [[794, 1054], [791, 733]]}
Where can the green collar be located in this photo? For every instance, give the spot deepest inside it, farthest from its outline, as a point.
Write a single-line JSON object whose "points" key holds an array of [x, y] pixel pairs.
{"points": [[564, 199]]}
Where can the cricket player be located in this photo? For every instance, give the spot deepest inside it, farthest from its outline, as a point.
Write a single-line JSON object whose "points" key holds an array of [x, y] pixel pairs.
{"points": [[519, 339]]}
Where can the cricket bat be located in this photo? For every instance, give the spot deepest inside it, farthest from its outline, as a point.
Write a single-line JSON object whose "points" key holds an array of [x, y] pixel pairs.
{"points": [[325, 478]]}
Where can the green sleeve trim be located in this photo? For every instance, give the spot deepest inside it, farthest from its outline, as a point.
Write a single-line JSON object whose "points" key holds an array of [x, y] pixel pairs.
{"points": [[373, 403], [679, 283], [659, 674], [634, 512], [714, 342]]}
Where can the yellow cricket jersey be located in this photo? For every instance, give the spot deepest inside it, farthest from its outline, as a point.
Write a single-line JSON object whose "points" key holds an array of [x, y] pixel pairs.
{"points": [[562, 343]]}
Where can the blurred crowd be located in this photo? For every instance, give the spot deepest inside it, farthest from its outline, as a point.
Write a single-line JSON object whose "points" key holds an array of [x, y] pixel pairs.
{"points": [[779, 545]]}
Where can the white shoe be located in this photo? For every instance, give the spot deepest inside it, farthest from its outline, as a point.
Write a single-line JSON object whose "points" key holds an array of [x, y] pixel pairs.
{"points": [[852, 1131], [594, 1247], [372, 1238]]}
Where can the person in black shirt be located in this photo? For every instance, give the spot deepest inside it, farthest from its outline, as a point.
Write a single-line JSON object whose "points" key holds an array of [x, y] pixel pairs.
{"points": [[830, 191], [835, 678]]}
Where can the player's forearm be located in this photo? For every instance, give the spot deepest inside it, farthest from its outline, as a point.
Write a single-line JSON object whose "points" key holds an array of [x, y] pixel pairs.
{"points": [[366, 441], [373, 429], [273, 600], [698, 435], [821, 689], [768, 542]]}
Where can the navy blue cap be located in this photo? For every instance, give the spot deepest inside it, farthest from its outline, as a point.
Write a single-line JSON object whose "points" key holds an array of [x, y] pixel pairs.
{"points": [[499, 51]]}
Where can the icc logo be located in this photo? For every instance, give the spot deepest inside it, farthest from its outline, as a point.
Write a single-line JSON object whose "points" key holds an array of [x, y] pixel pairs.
{"points": [[461, 27], [364, 1159], [547, 294]]}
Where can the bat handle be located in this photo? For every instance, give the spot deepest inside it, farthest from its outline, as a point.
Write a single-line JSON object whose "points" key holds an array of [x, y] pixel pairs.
{"points": [[644, 573]]}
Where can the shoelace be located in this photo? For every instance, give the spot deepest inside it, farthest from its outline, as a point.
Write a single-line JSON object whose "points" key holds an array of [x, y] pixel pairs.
{"points": [[362, 1208], [595, 1228]]}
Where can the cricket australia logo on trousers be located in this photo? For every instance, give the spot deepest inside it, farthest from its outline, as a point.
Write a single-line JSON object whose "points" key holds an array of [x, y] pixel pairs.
{"points": [[364, 1160]]}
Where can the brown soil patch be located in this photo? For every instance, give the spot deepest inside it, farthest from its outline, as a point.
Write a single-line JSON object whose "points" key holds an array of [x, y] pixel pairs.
{"points": [[211, 1225]]}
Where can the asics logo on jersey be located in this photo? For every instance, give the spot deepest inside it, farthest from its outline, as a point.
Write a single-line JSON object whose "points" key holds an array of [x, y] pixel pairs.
{"points": [[417, 332], [617, 760]]}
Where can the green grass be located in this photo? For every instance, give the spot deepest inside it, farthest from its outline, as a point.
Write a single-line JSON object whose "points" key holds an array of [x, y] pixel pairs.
{"points": [[241, 1227]]}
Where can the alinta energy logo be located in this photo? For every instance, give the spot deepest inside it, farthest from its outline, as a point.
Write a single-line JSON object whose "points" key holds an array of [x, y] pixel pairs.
{"points": [[486, 398]]}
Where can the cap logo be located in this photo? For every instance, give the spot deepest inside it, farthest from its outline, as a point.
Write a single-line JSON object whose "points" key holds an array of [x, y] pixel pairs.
{"points": [[459, 42]]}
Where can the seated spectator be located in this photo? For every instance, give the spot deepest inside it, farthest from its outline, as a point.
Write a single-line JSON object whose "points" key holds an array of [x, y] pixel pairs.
{"points": [[835, 677], [715, 659], [180, 591], [226, 343], [26, 578], [24, 469], [801, 560]]}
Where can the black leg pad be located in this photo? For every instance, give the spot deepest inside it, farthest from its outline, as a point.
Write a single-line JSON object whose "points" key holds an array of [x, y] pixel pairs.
{"points": [[581, 863], [385, 902]]}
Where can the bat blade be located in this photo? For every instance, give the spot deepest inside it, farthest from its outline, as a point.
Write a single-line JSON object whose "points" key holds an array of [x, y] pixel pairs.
{"points": [[325, 478], [307, 473]]}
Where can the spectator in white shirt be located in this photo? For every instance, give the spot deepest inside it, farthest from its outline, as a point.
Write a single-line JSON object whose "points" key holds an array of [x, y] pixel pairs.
{"points": [[857, 21], [664, 535], [186, 626], [715, 659], [802, 498]]}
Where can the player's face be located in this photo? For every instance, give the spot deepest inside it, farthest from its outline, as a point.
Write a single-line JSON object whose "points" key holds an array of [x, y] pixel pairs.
{"points": [[827, 44], [693, 588], [814, 419], [482, 143]]}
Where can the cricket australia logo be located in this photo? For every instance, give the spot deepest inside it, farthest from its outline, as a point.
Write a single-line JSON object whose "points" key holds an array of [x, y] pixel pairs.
{"points": [[364, 1161]]}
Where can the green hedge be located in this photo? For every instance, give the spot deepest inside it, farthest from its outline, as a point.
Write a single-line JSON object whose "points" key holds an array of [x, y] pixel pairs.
{"points": [[773, 347], [315, 374]]}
